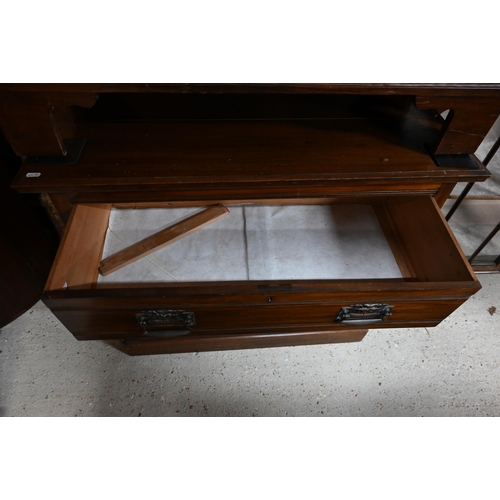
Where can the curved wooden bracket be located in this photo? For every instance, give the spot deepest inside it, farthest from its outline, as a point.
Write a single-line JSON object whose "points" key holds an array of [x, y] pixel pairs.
{"points": [[28, 120], [468, 122]]}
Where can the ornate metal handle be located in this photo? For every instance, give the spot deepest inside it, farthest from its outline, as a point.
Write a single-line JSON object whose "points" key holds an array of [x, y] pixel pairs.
{"points": [[363, 314], [154, 323]]}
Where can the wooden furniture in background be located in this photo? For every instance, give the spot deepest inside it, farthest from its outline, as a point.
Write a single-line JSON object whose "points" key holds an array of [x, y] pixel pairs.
{"points": [[28, 243]]}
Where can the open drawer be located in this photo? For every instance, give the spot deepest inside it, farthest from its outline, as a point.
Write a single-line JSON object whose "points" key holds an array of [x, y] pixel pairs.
{"points": [[305, 273]]}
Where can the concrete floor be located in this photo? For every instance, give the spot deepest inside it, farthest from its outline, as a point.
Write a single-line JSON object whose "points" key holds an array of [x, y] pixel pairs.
{"points": [[449, 370]]}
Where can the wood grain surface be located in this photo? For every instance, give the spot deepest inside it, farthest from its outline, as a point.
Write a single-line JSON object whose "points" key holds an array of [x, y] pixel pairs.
{"points": [[201, 157], [77, 260], [448, 89], [255, 340]]}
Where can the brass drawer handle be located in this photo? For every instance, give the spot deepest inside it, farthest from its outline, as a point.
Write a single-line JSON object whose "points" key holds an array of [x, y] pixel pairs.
{"points": [[364, 314], [154, 323]]}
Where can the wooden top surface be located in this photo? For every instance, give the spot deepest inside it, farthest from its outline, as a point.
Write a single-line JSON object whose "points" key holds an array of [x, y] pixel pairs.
{"points": [[450, 89], [181, 153]]}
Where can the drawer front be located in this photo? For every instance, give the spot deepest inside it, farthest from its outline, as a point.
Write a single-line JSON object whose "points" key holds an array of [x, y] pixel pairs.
{"points": [[165, 322]]}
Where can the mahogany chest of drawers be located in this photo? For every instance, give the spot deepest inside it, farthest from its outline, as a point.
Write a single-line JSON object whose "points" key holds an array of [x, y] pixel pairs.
{"points": [[333, 195]]}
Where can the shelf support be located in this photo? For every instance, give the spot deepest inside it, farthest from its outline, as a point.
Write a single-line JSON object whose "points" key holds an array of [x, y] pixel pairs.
{"points": [[466, 125], [33, 121]]}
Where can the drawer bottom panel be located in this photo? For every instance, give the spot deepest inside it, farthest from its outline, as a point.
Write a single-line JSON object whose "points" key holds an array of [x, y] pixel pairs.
{"points": [[197, 343]]}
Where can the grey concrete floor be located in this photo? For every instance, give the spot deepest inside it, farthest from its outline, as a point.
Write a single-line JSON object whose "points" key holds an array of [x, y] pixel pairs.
{"points": [[450, 370]]}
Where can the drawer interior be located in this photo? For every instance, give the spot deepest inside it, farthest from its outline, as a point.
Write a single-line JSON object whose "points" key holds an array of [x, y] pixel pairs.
{"points": [[399, 239], [256, 242]]}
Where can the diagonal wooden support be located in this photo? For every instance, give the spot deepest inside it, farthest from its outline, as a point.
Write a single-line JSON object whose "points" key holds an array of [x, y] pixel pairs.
{"points": [[162, 239]]}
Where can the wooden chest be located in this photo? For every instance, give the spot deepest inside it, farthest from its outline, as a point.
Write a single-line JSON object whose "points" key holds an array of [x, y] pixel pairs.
{"points": [[334, 194]]}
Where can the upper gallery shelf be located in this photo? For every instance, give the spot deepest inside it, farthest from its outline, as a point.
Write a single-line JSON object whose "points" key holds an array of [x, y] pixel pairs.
{"points": [[179, 141], [35, 117]]}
